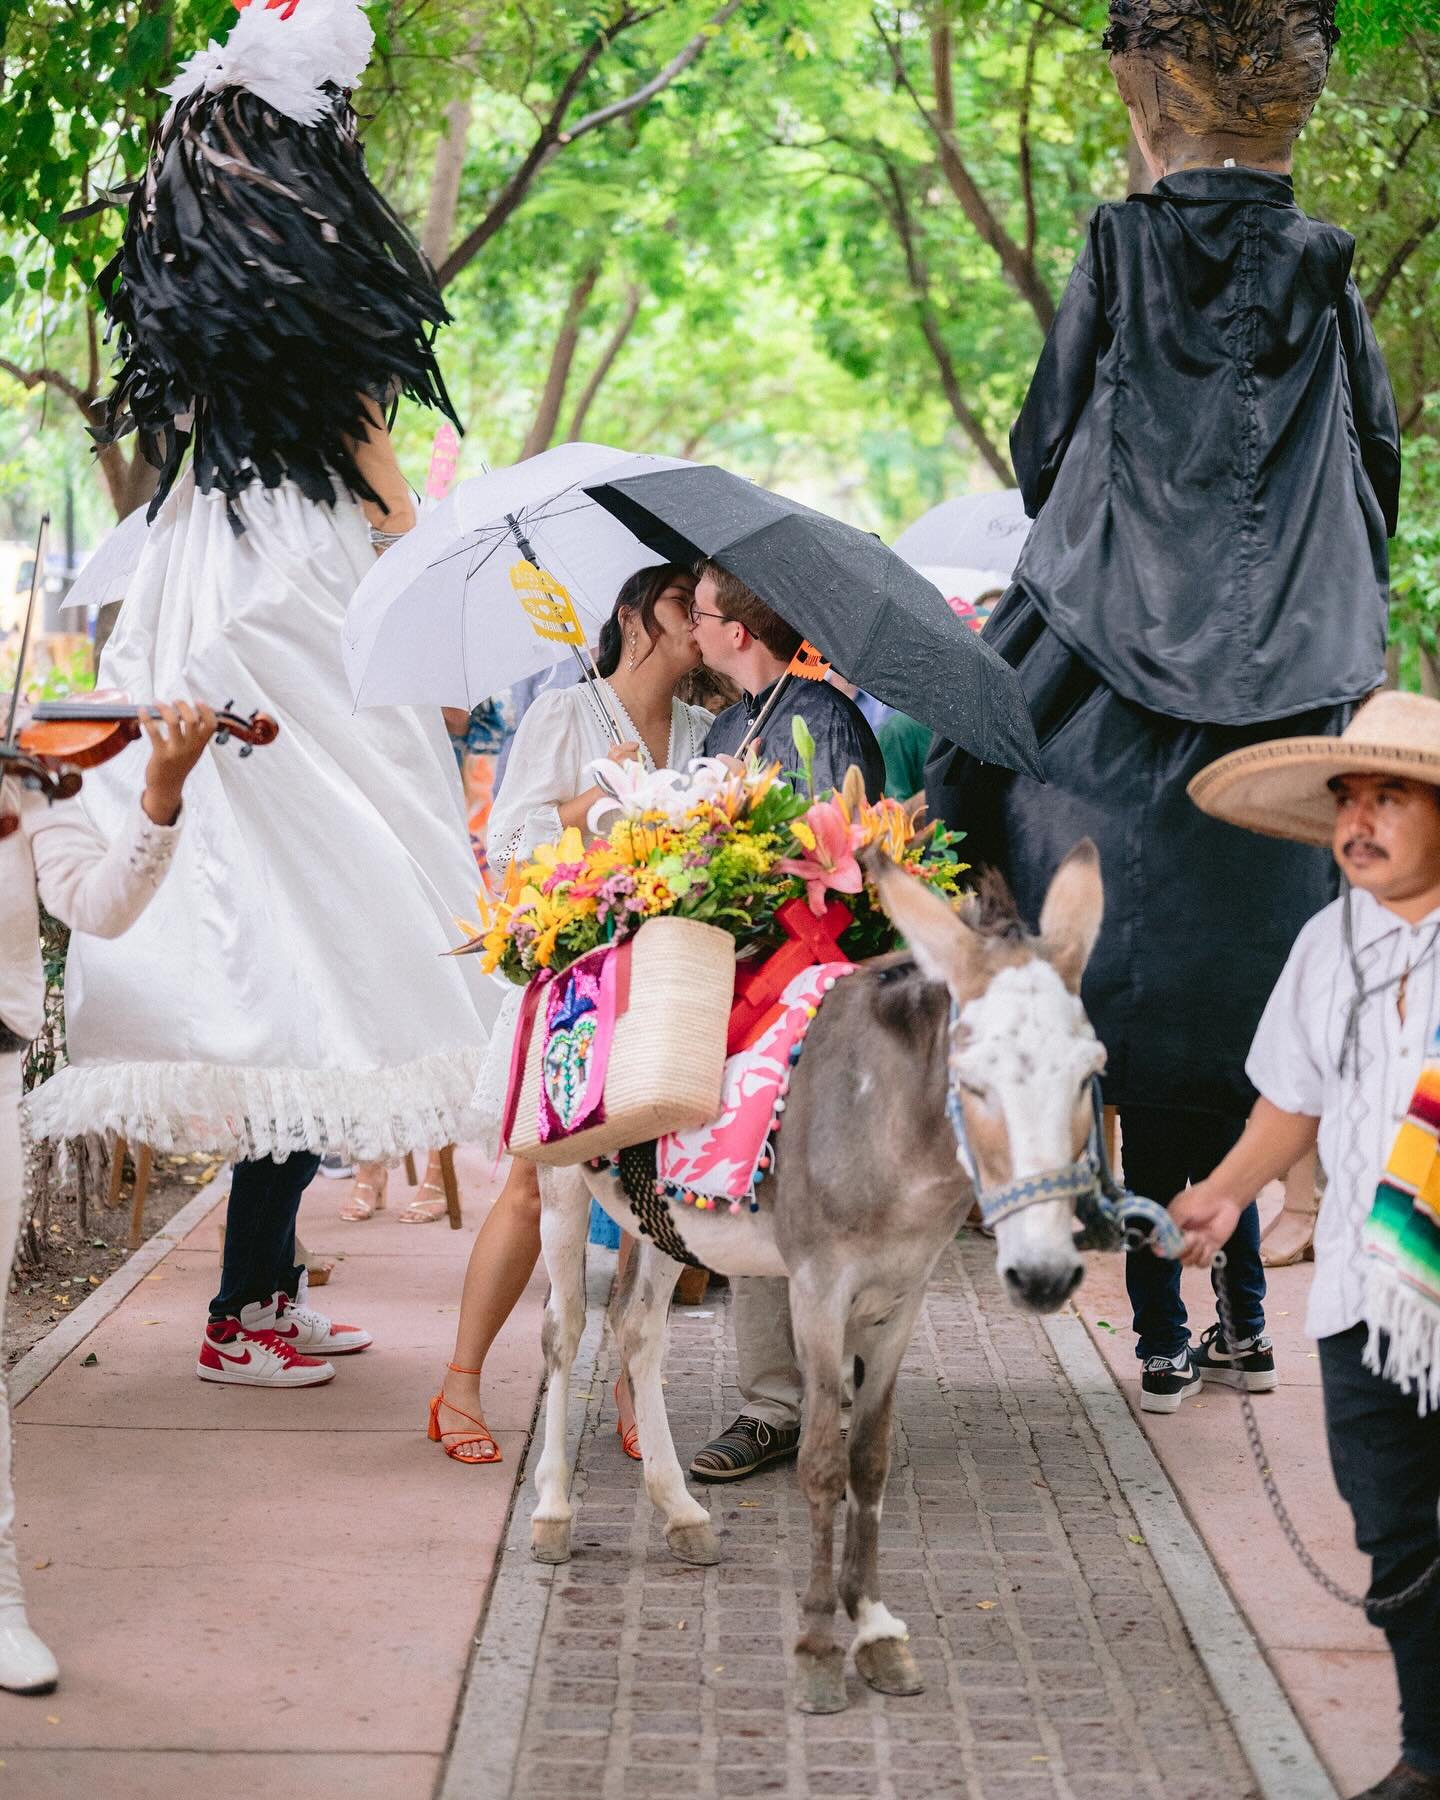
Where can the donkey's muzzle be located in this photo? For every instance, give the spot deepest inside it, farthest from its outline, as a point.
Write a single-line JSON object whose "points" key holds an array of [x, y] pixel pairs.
{"points": [[1042, 1288]]}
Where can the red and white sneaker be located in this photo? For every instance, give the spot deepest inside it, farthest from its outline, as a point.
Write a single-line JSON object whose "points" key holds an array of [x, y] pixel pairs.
{"points": [[230, 1352], [312, 1334]]}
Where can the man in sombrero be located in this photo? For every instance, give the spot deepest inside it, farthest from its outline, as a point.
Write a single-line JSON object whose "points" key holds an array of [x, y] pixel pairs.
{"points": [[1348, 1055]]}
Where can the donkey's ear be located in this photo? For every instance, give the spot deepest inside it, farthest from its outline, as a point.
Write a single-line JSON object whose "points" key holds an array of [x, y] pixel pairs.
{"points": [[1070, 917], [944, 946]]}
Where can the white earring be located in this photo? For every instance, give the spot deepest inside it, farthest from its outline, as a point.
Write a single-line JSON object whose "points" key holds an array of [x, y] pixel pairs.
{"points": [[631, 663]]}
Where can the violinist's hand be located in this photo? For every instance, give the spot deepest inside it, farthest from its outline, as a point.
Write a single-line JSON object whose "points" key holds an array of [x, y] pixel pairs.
{"points": [[623, 753], [177, 742], [1208, 1218]]}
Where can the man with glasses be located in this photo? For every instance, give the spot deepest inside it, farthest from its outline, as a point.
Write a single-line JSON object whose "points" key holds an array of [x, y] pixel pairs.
{"points": [[739, 636]]}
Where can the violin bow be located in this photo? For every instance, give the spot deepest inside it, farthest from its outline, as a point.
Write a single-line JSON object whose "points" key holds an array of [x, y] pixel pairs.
{"points": [[37, 582]]}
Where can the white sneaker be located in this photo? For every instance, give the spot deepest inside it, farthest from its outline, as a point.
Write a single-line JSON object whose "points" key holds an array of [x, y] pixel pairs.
{"points": [[26, 1665], [311, 1333], [231, 1352]]}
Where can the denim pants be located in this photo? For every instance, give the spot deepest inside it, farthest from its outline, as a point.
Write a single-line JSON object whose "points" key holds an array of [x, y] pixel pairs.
{"points": [[1163, 1151], [260, 1232], [1386, 1460]]}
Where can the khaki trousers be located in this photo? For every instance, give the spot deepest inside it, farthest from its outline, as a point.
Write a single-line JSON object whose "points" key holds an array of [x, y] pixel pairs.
{"points": [[12, 1196], [769, 1376]]}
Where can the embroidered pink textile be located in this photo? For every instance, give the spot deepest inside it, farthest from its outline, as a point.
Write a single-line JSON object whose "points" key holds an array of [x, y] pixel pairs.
{"points": [[721, 1159], [578, 1008]]}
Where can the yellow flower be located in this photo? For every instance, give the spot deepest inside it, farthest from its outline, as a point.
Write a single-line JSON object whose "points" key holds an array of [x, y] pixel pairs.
{"points": [[570, 848]]}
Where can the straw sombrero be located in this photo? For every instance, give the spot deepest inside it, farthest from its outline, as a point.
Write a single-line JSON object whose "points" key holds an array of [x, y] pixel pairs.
{"points": [[1281, 787]]}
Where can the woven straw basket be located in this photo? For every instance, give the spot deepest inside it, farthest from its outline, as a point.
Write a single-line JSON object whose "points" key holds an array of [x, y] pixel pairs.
{"points": [[667, 1061]]}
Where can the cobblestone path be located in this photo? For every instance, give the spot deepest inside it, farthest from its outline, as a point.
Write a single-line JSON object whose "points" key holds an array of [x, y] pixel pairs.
{"points": [[1056, 1665]]}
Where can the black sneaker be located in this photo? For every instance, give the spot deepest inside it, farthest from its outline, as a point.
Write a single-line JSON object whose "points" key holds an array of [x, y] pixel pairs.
{"points": [[1248, 1363], [1166, 1380], [744, 1447]]}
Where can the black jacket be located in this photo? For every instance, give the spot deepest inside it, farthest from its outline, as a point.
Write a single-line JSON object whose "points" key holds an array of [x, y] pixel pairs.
{"points": [[1211, 453], [1213, 440], [841, 732]]}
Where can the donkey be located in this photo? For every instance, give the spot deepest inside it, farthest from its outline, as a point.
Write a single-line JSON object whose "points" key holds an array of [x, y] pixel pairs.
{"points": [[958, 1067]]}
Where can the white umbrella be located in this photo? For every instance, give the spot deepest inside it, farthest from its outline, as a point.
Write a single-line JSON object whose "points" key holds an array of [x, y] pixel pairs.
{"points": [[439, 621], [107, 570], [963, 584], [976, 531]]}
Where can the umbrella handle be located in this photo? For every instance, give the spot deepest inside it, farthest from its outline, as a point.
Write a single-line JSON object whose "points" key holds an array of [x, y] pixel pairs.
{"points": [[588, 672], [760, 718]]}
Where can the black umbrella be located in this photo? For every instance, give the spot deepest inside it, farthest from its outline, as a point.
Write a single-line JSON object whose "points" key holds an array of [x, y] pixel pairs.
{"points": [[880, 623]]}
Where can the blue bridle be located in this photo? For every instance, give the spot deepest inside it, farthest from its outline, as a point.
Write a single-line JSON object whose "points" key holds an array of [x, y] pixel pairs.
{"points": [[1108, 1216]]}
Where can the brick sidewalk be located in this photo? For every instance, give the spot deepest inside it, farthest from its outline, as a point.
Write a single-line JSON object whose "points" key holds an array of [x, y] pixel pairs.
{"points": [[1056, 1665]]}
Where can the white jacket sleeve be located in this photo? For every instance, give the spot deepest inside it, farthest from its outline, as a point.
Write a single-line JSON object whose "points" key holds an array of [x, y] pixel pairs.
{"points": [[88, 884], [545, 770]]}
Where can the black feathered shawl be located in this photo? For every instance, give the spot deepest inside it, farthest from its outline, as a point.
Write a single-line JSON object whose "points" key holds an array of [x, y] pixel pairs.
{"points": [[264, 292]]}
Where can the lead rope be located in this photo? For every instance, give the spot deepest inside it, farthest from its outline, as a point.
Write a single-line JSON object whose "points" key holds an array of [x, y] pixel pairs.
{"points": [[1374, 1609]]}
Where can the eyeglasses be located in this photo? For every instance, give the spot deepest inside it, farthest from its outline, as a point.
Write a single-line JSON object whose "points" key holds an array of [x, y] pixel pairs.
{"points": [[696, 614]]}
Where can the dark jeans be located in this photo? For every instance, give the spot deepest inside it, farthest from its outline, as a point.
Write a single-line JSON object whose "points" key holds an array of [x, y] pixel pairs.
{"points": [[1386, 1460], [1162, 1152], [260, 1232]]}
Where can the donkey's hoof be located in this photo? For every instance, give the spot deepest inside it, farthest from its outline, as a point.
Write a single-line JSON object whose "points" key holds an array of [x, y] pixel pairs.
{"points": [[695, 1543], [820, 1681], [888, 1666], [550, 1540]]}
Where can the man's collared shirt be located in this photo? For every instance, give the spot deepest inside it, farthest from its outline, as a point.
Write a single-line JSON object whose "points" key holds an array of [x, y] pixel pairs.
{"points": [[841, 732], [1295, 1063]]}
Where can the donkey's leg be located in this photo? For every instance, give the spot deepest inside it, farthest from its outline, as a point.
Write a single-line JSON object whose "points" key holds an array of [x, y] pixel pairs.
{"points": [[882, 1652], [643, 1327], [564, 1215], [817, 1314]]}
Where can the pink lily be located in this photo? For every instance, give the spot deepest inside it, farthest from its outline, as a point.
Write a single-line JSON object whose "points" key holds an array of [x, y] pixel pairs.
{"points": [[830, 842]]}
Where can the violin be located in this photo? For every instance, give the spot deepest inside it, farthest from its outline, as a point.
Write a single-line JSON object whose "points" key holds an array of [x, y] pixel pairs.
{"points": [[86, 733], [53, 783]]}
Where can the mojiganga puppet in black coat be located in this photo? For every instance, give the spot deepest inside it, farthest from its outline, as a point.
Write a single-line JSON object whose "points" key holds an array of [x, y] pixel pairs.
{"points": [[1210, 452]]}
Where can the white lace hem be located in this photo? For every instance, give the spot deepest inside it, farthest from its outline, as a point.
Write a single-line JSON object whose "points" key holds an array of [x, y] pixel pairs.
{"points": [[246, 1113]]}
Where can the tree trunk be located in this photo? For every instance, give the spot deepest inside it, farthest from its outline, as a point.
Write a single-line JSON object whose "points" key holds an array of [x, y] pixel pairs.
{"points": [[950, 383], [606, 363], [562, 358], [1019, 268], [919, 279], [445, 186], [129, 479]]}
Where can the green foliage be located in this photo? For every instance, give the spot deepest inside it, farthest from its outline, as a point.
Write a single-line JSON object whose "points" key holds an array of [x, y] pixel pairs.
{"points": [[743, 233]]}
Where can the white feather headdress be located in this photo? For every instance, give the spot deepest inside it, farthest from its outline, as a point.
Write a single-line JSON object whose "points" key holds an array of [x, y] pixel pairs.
{"points": [[285, 51]]}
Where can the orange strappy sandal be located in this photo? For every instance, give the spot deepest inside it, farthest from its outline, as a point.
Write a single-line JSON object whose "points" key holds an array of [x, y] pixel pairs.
{"points": [[489, 1450], [629, 1436]]}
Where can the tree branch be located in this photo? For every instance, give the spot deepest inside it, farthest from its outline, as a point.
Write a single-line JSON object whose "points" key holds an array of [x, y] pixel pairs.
{"points": [[1376, 298], [657, 84], [553, 134], [919, 280], [1027, 167], [1019, 269], [52, 378], [562, 359], [602, 369]]}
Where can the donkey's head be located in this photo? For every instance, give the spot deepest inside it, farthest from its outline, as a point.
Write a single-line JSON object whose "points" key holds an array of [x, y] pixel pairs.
{"points": [[1022, 1055]]}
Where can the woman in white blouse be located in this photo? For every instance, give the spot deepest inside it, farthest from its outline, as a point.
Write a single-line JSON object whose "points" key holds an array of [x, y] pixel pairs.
{"points": [[645, 650]]}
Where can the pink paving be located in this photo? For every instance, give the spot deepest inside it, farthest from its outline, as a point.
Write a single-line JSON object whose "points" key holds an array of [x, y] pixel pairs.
{"points": [[243, 1586], [1333, 1665]]}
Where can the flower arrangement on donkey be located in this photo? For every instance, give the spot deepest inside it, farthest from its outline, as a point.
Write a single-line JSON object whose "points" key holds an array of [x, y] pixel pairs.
{"points": [[723, 844]]}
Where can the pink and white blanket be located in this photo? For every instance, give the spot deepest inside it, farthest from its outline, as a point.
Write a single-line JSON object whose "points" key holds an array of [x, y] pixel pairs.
{"points": [[722, 1161]]}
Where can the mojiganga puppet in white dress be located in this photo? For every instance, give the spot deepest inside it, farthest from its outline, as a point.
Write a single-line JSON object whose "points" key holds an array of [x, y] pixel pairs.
{"points": [[288, 993]]}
